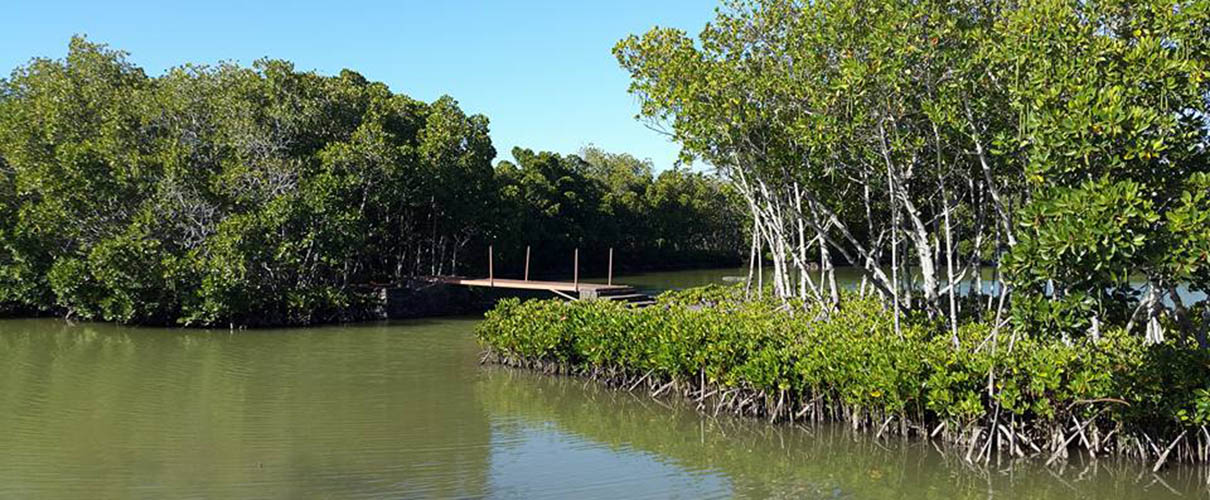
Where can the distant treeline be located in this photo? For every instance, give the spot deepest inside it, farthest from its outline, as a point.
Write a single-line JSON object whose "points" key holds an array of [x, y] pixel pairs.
{"points": [[216, 195]]}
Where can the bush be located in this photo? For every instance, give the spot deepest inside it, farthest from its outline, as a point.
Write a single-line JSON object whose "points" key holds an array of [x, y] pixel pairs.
{"points": [[798, 360], [218, 195]]}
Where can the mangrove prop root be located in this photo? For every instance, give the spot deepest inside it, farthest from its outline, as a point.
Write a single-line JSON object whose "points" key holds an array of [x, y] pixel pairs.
{"points": [[979, 439]]}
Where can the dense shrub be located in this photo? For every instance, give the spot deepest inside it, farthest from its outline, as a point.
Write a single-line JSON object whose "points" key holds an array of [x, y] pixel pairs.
{"points": [[264, 195], [803, 362]]}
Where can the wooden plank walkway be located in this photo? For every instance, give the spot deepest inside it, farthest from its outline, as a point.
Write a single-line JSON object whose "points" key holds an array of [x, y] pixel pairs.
{"points": [[568, 290], [574, 290], [562, 286]]}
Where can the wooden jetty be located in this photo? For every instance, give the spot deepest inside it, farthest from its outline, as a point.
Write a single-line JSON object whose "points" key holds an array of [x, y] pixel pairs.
{"points": [[570, 290], [567, 290]]}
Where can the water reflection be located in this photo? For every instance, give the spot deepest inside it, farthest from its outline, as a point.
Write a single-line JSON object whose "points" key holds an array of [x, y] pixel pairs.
{"points": [[103, 411], [763, 461], [404, 409]]}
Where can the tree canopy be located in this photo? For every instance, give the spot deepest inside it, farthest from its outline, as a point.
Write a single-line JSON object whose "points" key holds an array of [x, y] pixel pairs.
{"points": [[265, 195], [1063, 142]]}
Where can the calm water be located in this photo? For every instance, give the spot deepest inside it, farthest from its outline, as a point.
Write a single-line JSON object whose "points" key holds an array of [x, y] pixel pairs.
{"points": [[405, 410]]}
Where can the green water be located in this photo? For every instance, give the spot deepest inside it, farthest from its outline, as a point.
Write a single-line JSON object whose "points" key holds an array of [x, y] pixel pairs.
{"points": [[403, 409]]}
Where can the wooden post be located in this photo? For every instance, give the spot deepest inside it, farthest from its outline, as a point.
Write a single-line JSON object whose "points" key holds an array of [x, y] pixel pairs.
{"points": [[610, 282], [526, 262], [491, 268], [576, 272]]}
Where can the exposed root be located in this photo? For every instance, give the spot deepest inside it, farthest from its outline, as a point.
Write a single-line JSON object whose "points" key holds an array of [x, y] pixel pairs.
{"points": [[979, 439]]}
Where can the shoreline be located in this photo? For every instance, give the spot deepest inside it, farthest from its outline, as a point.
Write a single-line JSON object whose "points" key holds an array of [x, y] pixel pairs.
{"points": [[717, 407], [619, 348]]}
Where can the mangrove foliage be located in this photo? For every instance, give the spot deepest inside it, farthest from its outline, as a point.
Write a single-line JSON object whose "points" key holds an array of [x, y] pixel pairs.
{"points": [[1023, 396], [216, 195], [1023, 184], [1062, 143]]}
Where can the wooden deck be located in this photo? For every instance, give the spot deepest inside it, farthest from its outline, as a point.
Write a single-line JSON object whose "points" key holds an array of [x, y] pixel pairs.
{"points": [[565, 289], [573, 290], [562, 286]]}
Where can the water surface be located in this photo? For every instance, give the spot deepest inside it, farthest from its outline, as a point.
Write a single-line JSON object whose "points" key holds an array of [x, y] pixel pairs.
{"points": [[403, 409]]}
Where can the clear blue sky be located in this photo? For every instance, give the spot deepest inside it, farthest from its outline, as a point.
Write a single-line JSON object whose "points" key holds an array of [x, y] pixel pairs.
{"points": [[542, 71]]}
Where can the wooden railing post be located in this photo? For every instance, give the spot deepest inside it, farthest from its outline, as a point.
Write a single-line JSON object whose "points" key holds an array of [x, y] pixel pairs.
{"points": [[576, 272], [610, 282], [491, 267], [526, 262]]}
